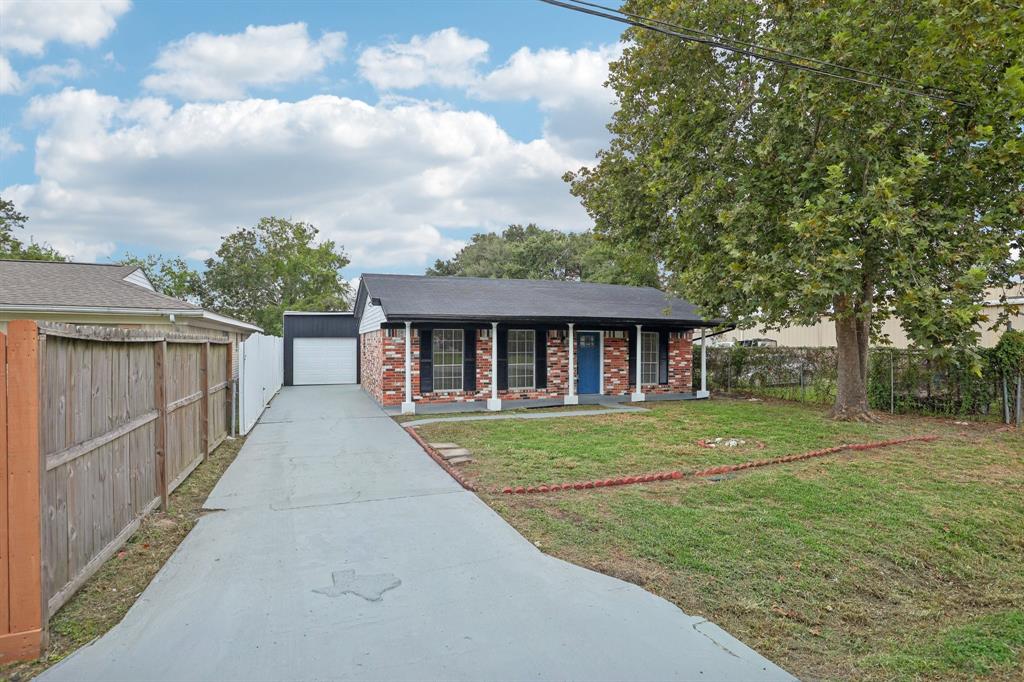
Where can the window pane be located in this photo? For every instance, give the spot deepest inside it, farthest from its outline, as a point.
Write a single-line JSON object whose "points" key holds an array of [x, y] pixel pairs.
{"points": [[649, 357], [521, 344], [447, 347]]}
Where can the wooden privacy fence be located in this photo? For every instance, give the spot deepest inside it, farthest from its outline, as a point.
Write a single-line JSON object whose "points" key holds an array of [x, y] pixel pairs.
{"points": [[97, 427]]}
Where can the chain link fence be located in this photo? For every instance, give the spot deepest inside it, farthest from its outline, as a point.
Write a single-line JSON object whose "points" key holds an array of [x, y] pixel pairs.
{"points": [[899, 380]]}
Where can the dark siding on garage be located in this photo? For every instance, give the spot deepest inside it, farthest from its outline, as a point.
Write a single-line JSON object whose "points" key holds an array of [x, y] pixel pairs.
{"points": [[303, 326]]}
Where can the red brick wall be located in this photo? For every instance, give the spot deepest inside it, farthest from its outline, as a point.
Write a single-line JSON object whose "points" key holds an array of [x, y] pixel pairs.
{"points": [[371, 361], [383, 356], [616, 366]]}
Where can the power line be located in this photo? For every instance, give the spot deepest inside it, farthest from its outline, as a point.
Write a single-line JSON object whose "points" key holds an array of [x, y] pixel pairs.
{"points": [[764, 48], [715, 42]]}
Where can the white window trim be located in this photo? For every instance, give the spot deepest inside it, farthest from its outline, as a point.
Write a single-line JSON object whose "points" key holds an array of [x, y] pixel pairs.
{"points": [[657, 358], [533, 362], [461, 364], [600, 353]]}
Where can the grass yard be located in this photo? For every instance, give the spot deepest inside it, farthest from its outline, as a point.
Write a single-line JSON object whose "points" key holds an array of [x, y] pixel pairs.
{"points": [[110, 592], [898, 563]]}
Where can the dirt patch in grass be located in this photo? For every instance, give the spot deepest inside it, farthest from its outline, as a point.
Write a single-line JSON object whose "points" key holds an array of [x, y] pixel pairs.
{"points": [[110, 592]]}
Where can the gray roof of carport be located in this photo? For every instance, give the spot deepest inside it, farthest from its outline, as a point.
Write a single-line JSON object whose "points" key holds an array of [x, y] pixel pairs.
{"points": [[423, 298]]}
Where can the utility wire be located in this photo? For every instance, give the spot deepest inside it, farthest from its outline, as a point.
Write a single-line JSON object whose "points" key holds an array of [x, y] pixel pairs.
{"points": [[763, 48], [640, 23]]}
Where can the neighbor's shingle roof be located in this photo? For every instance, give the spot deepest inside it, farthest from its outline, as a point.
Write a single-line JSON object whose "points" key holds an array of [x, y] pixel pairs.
{"points": [[86, 285], [418, 297]]}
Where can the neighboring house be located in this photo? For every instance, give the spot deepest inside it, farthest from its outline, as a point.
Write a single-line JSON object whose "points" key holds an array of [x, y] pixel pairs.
{"points": [[823, 334], [105, 295], [528, 342]]}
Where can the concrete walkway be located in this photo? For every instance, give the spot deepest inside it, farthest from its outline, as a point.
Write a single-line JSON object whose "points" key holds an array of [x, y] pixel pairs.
{"points": [[344, 553]]}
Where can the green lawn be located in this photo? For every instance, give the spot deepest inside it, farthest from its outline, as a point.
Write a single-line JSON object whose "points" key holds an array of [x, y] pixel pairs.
{"points": [[905, 562]]}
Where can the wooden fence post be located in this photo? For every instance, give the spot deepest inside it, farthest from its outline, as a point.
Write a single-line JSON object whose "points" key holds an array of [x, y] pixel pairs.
{"points": [[24, 633], [160, 393], [204, 403], [5, 588]]}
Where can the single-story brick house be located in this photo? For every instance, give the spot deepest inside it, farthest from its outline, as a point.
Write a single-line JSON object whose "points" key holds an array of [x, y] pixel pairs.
{"points": [[428, 340]]}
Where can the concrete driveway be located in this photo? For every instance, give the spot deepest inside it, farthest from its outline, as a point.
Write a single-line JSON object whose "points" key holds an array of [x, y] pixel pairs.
{"points": [[344, 552]]}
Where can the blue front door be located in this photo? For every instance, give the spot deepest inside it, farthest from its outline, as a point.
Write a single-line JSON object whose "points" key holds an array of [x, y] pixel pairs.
{"points": [[588, 353]]}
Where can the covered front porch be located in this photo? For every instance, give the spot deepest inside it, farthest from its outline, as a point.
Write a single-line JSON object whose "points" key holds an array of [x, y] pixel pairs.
{"points": [[578, 363]]}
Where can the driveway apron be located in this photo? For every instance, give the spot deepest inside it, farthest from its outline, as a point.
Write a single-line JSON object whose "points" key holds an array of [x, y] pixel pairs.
{"points": [[340, 550]]}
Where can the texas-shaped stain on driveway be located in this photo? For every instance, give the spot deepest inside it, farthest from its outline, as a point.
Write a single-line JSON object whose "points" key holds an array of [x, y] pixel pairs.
{"points": [[369, 586]]}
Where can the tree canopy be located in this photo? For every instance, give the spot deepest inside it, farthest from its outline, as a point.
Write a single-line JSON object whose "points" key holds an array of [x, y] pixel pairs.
{"points": [[260, 272], [776, 196], [171, 276], [532, 252], [11, 247]]}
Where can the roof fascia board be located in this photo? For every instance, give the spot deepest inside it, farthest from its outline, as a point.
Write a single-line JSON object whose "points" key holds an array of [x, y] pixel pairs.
{"points": [[607, 321], [101, 310]]}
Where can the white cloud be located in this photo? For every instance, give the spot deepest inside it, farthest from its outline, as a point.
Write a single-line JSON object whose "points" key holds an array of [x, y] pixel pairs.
{"points": [[557, 79], [8, 147], [10, 82], [445, 57], [47, 74], [211, 67], [567, 86], [389, 182], [26, 26]]}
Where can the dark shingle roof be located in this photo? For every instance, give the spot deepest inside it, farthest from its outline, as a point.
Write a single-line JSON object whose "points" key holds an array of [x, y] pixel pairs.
{"points": [[79, 285], [416, 297]]}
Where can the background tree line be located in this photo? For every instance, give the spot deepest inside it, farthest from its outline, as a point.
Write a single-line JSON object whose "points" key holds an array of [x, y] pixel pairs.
{"points": [[531, 252], [257, 273]]}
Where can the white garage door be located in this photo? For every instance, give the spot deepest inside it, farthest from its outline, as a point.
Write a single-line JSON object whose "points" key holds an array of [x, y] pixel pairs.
{"points": [[323, 361]]}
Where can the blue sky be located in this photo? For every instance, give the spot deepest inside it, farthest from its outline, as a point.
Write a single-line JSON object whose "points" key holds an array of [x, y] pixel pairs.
{"points": [[398, 128]]}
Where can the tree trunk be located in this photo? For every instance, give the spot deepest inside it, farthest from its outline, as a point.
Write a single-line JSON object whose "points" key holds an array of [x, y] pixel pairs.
{"points": [[852, 335]]}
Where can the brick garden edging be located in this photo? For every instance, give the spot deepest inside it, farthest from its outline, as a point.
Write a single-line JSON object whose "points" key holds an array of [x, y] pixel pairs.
{"points": [[711, 471]]}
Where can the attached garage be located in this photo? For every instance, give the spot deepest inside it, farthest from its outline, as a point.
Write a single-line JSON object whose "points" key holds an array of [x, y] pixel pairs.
{"points": [[320, 348]]}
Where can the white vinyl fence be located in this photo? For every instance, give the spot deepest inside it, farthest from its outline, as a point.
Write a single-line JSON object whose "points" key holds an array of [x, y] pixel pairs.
{"points": [[260, 375]]}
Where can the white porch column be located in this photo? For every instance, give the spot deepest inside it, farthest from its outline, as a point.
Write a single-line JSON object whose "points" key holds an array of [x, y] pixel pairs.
{"points": [[638, 395], [703, 393], [408, 407], [494, 402], [572, 398]]}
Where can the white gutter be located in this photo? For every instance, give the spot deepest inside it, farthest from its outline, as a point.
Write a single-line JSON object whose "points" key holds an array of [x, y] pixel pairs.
{"points": [[106, 310], [230, 321]]}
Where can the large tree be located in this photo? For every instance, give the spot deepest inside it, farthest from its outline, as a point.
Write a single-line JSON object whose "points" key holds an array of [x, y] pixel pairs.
{"points": [[12, 219], [172, 276], [532, 252], [260, 272], [776, 196]]}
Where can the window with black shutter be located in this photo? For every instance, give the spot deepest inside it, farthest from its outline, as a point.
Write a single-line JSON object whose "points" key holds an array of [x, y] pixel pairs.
{"points": [[663, 358], [469, 361], [426, 361], [632, 357], [541, 358], [502, 359]]}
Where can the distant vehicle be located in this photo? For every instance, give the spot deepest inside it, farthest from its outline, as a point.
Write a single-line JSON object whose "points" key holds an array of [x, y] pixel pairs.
{"points": [[758, 343]]}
